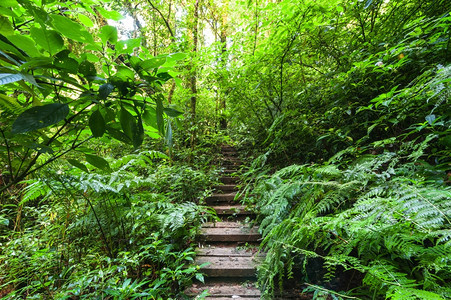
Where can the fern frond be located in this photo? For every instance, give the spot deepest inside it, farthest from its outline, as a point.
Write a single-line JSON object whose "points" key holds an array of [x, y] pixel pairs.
{"points": [[34, 190], [10, 105]]}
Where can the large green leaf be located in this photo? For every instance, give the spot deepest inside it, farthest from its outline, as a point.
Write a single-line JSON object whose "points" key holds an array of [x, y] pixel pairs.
{"points": [[118, 135], [97, 124], [85, 20], [128, 46], [159, 111], [63, 62], [6, 27], [112, 15], [171, 112], [108, 33], [127, 123], [50, 40], [87, 69], [39, 117], [8, 3], [25, 43], [138, 134], [9, 78], [152, 63], [98, 162], [71, 29], [78, 165], [150, 117], [105, 90]]}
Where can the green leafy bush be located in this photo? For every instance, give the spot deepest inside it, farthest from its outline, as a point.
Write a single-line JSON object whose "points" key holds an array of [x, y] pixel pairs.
{"points": [[379, 226]]}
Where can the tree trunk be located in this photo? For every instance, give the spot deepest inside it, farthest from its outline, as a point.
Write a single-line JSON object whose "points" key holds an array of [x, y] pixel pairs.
{"points": [[223, 92], [193, 79]]}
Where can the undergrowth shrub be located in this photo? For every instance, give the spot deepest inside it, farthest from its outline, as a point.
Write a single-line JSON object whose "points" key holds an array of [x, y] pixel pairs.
{"points": [[378, 227], [126, 234]]}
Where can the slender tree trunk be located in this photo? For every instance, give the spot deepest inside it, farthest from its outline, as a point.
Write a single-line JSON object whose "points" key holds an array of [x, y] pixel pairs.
{"points": [[193, 79], [222, 94], [171, 92]]}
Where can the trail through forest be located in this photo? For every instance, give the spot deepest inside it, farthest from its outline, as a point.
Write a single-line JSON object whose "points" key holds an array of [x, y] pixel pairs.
{"points": [[229, 248], [116, 180]]}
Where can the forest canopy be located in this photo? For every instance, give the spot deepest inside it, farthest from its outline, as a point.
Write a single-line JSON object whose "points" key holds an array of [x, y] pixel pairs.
{"points": [[112, 112]]}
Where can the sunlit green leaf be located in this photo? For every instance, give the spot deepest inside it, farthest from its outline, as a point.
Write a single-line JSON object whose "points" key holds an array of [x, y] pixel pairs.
{"points": [[177, 56], [112, 15], [71, 29], [150, 117], [152, 63], [8, 3], [85, 20], [6, 28], [25, 43], [50, 40], [125, 73], [108, 33]]}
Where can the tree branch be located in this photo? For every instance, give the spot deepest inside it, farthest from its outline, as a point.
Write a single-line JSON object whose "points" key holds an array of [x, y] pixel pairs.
{"points": [[162, 16]]}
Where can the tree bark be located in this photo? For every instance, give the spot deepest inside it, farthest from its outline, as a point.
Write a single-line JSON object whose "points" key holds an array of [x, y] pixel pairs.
{"points": [[193, 79], [222, 94]]}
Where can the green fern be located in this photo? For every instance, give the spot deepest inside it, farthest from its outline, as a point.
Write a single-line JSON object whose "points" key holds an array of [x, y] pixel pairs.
{"points": [[10, 105], [369, 211], [35, 189]]}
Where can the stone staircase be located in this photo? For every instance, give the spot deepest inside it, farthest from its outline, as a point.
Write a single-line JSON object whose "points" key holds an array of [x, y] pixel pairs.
{"points": [[229, 246]]}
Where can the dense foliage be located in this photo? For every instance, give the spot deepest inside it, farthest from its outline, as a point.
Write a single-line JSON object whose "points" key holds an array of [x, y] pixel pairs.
{"points": [[109, 118], [358, 90]]}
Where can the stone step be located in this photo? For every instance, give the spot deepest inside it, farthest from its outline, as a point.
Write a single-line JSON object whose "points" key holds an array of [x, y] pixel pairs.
{"points": [[229, 166], [226, 224], [228, 266], [218, 199], [232, 297], [230, 171], [232, 158], [228, 251], [226, 290], [230, 153], [227, 210], [229, 179], [229, 234], [226, 188]]}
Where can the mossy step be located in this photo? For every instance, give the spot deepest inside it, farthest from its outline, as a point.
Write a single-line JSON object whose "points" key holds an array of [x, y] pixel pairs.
{"points": [[229, 251], [236, 210], [226, 188], [217, 199], [230, 234], [226, 290], [228, 266], [229, 179], [230, 171]]}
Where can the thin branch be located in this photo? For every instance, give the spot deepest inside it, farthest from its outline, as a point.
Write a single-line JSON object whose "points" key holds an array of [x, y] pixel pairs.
{"points": [[10, 167], [163, 17]]}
